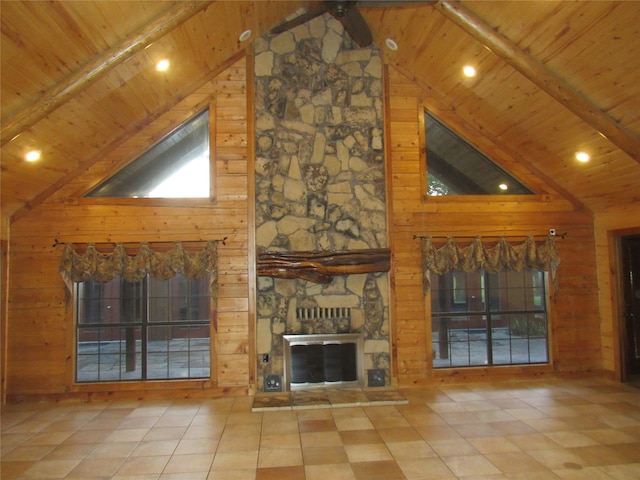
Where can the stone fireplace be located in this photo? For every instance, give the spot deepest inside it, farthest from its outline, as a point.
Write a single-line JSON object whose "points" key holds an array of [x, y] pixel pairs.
{"points": [[320, 189]]}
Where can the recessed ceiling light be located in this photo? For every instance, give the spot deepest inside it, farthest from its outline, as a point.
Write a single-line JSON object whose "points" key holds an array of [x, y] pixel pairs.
{"points": [[32, 156], [503, 187], [583, 157], [162, 65], [469, 71], [391, 44], [245, 35]]}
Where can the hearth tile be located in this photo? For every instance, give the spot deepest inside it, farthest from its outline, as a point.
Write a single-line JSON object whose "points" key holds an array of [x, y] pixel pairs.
{"points": [[390, 397], [347, 397], [310, 399], [281, 401]]}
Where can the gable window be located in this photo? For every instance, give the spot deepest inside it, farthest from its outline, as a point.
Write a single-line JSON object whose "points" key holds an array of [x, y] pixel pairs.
{"points": [[454, 167], [481, 318], [178, 166]]}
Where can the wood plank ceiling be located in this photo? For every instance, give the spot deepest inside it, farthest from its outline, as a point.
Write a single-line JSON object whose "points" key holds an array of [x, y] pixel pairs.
{"points": [[554, 77]]}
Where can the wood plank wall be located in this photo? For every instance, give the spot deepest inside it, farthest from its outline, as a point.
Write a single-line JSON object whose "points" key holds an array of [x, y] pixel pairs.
{"points": [[40, 325], [40, 333], [574, 317]]}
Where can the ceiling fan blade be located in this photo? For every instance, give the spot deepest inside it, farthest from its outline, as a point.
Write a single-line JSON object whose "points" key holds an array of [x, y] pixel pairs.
{"points": [[299, 20], [356, 27]]}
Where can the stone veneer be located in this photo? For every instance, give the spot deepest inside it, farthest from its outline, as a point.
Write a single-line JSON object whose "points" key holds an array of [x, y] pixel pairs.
{"points": [[320, 181]]}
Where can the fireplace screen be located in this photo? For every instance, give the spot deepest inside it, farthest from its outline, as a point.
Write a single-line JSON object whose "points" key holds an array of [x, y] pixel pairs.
{"points": [[333, 362], [319, 360]]}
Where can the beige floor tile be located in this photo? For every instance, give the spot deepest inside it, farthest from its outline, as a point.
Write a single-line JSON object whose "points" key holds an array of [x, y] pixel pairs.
{"points": [[243, 474], [434, 433], [317, 425], [600, 455], [28, 453], [486, 445], [629, 471], [590, 473], [399, 434], [50, 469], [353, 423], [155, 447], [536, 441], [335, 471], [410, 450], [426, 469], [235, 460], [380, 470], [281, 473], [447, 448], [368, 452], [96, 467], [129, 435], [143, 465], [557, 458], [571, 439], [285, 440], [279, 457], [515, 462], [324, 455], [354, 437], [470, 465], [609, 436], [327, 439], [110, 450], [165, 433], [199, 445], [189, 463]]}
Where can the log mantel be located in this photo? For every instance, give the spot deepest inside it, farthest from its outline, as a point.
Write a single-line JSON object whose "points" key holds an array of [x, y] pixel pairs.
{"points": [[321, 267]]}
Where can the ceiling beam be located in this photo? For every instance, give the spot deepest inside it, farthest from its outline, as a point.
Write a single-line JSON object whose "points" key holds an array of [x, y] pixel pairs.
{"points": [[96, 68], [539, 74]]}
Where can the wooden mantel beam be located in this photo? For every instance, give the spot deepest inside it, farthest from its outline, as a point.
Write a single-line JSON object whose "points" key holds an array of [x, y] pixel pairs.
{"points": [[541, 76], [321, 267], [97, 67]]}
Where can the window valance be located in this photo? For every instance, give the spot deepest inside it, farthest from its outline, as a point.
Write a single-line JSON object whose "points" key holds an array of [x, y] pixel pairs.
{"points": [[500, 256], [102, 267]]}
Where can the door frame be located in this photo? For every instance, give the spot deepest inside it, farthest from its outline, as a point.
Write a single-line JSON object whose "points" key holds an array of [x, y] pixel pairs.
{"points": [[618, 305]]}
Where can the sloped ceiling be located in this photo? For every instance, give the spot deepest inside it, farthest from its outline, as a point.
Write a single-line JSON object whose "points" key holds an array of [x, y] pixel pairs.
{"points": [[554, 77]]}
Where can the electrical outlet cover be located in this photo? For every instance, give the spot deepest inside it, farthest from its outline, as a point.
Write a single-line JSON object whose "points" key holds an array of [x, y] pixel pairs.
{"points": [[272, 383], [376, 377]]}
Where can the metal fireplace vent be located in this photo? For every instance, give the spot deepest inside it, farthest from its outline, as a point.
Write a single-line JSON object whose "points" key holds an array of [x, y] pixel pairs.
{"points": [[324, 320]]}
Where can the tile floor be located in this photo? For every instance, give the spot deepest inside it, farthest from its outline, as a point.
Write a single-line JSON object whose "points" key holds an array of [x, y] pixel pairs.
{"points": [[582, 429]]}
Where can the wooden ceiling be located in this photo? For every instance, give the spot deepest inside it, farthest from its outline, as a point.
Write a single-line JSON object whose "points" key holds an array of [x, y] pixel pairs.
{"points": [[555, 77]]}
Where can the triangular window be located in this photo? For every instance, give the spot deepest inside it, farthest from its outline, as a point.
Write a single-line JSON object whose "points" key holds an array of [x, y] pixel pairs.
{"points": [[175, 167], [454, 167]]}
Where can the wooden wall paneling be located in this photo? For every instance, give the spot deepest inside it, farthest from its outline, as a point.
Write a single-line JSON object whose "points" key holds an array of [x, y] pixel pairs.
{"points": [[574, 341], [40, 324]]}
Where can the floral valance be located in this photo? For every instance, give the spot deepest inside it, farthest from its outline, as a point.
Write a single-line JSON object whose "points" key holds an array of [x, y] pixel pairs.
{"points": [[102, 267], [501, 256]]}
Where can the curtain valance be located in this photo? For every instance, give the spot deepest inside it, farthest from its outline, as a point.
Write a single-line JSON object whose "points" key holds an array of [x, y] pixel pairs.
{"points": [[500, 256], [101, 267]]}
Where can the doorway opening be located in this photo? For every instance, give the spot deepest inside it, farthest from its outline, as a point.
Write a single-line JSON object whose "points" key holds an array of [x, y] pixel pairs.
{"points": [[630, 322]]}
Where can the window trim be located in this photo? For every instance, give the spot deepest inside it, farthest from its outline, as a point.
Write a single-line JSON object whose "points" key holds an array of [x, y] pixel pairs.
{"points": [[82, 199], [521, 369], [540, 191], [146, 384]]}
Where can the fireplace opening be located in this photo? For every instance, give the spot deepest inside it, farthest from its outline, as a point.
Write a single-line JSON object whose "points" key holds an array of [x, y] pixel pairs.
{"points": [[322, 360]]}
